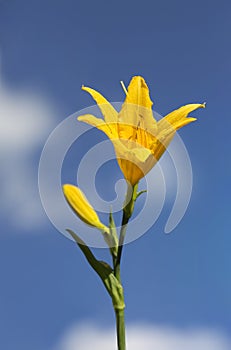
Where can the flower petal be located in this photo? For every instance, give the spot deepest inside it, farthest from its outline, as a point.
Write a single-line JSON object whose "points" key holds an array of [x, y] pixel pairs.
{"points": [[183, 122], [160, 145], [108, 111], [108, 129], [137, 112], [138, 93], [82, 208], [181, 113], [135, 162], [168, 125]]}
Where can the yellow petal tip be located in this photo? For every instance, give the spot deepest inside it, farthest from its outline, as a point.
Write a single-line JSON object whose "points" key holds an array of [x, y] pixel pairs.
{"points": [[65, 187], [83, 87]]}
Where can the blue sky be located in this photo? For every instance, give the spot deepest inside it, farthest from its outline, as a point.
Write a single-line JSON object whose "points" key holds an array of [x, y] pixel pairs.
{"points": [[49, 49]]}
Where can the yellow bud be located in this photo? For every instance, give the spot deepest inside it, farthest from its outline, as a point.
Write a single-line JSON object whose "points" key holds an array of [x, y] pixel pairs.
{"points": [[82, 208]]}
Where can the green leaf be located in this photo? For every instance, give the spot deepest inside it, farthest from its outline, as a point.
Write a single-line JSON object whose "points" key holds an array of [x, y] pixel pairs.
{"points": [[104, 271], [113, 238]]}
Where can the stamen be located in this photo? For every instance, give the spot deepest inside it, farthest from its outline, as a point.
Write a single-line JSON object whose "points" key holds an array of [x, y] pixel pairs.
{"points": [[124, 88]]}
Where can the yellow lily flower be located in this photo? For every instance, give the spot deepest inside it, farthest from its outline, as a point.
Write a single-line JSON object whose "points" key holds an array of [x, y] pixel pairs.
{"points": [[82, 208], [139, 140]]}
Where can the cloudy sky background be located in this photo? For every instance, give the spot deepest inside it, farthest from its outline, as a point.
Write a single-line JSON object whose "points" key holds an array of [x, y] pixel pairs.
{"points": [[178, 291]]}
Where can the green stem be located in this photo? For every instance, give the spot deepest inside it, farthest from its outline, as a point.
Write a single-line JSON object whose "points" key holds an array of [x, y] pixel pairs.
{"points": [[127, 213], [120, 326], [120, 247]]}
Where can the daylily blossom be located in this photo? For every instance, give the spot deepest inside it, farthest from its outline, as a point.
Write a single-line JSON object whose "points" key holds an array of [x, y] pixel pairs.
{"points": [[82, 208], [139, 140]]}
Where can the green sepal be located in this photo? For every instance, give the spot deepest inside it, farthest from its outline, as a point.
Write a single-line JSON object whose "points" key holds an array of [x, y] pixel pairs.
{"points": [[104, 271], [139, 193]]}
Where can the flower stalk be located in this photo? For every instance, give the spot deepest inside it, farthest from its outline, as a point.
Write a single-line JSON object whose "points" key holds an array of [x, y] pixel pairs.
{"points": [[120, 329], [127, 213]]}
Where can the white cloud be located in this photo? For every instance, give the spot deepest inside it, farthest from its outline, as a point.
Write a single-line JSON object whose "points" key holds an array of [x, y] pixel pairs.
{"points": [[26, 120], [144, 336]]}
